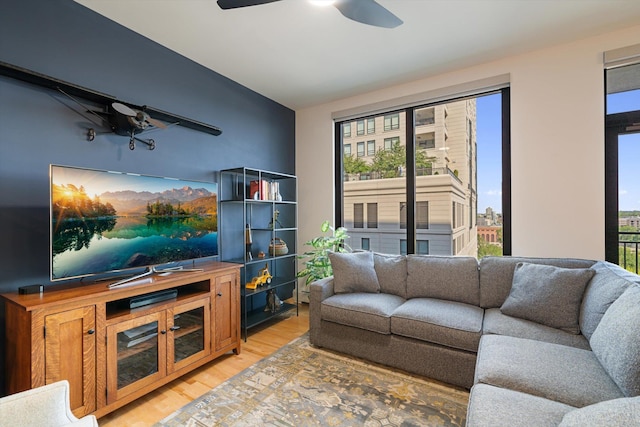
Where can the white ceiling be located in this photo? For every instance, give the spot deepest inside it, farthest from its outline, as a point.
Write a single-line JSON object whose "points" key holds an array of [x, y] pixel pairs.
{"points": [[301, 55]]}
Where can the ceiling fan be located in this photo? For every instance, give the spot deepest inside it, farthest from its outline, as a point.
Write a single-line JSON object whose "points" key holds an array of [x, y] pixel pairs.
{"points": [[365, 11]]}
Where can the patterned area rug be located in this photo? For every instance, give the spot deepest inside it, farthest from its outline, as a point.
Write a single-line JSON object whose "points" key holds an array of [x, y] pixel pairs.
{"points": [[300, 385]]}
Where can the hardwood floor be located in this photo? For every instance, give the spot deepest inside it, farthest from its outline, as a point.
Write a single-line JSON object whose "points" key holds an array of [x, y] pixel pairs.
{"points": [[262, 341]]}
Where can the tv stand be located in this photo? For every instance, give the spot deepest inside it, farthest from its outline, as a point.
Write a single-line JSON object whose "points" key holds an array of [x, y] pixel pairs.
{"points": [[91, 335], [135, 280]]}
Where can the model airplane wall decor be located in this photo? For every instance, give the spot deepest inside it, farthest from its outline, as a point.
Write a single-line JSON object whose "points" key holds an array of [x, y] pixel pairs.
{"points": [[119, 117], [123, 120]]}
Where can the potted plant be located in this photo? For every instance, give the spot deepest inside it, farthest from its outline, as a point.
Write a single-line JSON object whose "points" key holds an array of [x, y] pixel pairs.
{"points": [[317, 265]]}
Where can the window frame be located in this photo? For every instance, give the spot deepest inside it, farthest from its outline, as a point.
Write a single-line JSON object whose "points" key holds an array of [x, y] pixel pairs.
{"points": [[505, 93]]}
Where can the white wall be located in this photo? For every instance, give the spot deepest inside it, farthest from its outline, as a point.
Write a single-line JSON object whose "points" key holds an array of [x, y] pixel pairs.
{"points": [[557, 143]]}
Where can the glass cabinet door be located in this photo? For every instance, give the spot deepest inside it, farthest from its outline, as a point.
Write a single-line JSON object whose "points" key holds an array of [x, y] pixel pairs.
{"points": [[136, 354], [189, 333]]}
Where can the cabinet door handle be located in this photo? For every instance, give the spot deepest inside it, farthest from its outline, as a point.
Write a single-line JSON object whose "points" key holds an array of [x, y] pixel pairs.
{"points": [[219, 294], [174, 328], [91, 331], [163, 332]]}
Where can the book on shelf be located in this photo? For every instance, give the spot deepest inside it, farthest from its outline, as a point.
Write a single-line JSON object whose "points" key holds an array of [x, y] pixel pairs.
{"points": [[265, 190]]}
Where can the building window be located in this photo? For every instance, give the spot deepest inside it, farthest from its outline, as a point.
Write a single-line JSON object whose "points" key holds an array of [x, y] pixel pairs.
{"points": [[371, 148], [425, 116], [390, 142], [365, 244], [360, 149], [371, 126], [422, 247], [360, 127], [426, 140], [403, 215], [347, 150], [372, 215], [391, 121], [403, 246], [358, 215], [346, 130], [422, 215]]}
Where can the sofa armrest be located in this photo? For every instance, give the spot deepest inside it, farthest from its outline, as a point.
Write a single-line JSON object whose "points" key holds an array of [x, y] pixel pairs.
{"points": [[48, 405], [319, 291]]}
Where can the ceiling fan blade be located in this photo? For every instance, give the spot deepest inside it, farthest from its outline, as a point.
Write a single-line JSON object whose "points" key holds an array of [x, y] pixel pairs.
{"points": [[367, 12], [155, 123], [233, 4], [123, 109]]}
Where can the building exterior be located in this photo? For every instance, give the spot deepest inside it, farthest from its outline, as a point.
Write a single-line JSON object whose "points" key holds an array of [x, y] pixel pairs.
{"points": [[490, 234], [629, 221], [446, 199]]}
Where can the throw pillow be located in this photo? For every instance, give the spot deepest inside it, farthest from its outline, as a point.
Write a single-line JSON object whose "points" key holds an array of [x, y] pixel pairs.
{"points": [[547, 295], [353, 272], [606, 286], [615, 341], [391, 271], [622, 412]]}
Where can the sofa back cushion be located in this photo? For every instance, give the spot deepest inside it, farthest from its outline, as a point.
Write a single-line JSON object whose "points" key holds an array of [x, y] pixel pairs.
{"points": [[392, 273], [451, 278], [496, 275], [609, 282], [548, 295], [353, 272], [615, 341]]}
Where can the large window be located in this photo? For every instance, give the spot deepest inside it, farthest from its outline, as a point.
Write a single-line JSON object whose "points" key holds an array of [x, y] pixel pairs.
{"points": [[622, 175], [441, 172]]}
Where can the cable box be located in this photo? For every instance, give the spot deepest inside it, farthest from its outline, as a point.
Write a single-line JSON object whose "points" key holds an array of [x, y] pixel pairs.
{"points": [[152, 298]]}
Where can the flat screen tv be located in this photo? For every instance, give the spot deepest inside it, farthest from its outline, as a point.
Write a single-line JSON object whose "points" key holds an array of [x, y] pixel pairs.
{"points": [[110, 222]]}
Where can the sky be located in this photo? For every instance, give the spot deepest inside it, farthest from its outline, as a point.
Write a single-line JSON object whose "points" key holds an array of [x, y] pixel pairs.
{"points": [[96, 182], [489, 137]]}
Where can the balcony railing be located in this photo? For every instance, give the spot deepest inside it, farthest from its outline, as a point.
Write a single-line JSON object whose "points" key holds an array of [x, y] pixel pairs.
{"points": [[629, 250], [366, 176]]}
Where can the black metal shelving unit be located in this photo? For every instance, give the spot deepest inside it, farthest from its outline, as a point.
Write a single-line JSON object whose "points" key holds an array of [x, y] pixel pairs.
{"points": [[256, 197]]}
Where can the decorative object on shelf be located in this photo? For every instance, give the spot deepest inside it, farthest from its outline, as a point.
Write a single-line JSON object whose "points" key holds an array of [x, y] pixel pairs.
{"points": [[263, 277], [261, 255], [274, 221], [273, 302], [278, 247], [317, 264], [248, 241]]}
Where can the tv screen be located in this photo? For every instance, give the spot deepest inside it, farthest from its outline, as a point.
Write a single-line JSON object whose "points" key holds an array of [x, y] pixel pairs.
{"points": [[104, 221]]}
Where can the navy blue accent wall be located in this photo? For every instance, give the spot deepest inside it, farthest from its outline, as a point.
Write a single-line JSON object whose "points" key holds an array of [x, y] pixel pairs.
{"points": [[39, 127]]}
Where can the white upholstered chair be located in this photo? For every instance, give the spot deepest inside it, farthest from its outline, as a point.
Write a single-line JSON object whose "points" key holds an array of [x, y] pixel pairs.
{"points": [[46, 406]]}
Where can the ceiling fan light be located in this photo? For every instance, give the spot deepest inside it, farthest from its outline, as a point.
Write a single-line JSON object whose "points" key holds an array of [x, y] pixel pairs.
{"points": [[322, 2]]}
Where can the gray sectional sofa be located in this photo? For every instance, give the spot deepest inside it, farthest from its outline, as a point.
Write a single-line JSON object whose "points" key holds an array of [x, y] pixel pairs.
{"points": [[539, 341]]}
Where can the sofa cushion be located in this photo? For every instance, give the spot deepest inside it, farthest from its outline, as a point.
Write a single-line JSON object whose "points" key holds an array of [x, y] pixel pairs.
{"points": [[548, 295], [449, 278], [491, 406], [500, 324], [609, 282], [353, 272], [496, 275], [361, 310], [622, 412], [447, 323], [392, 273], [616, 341], [565, 374]]}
